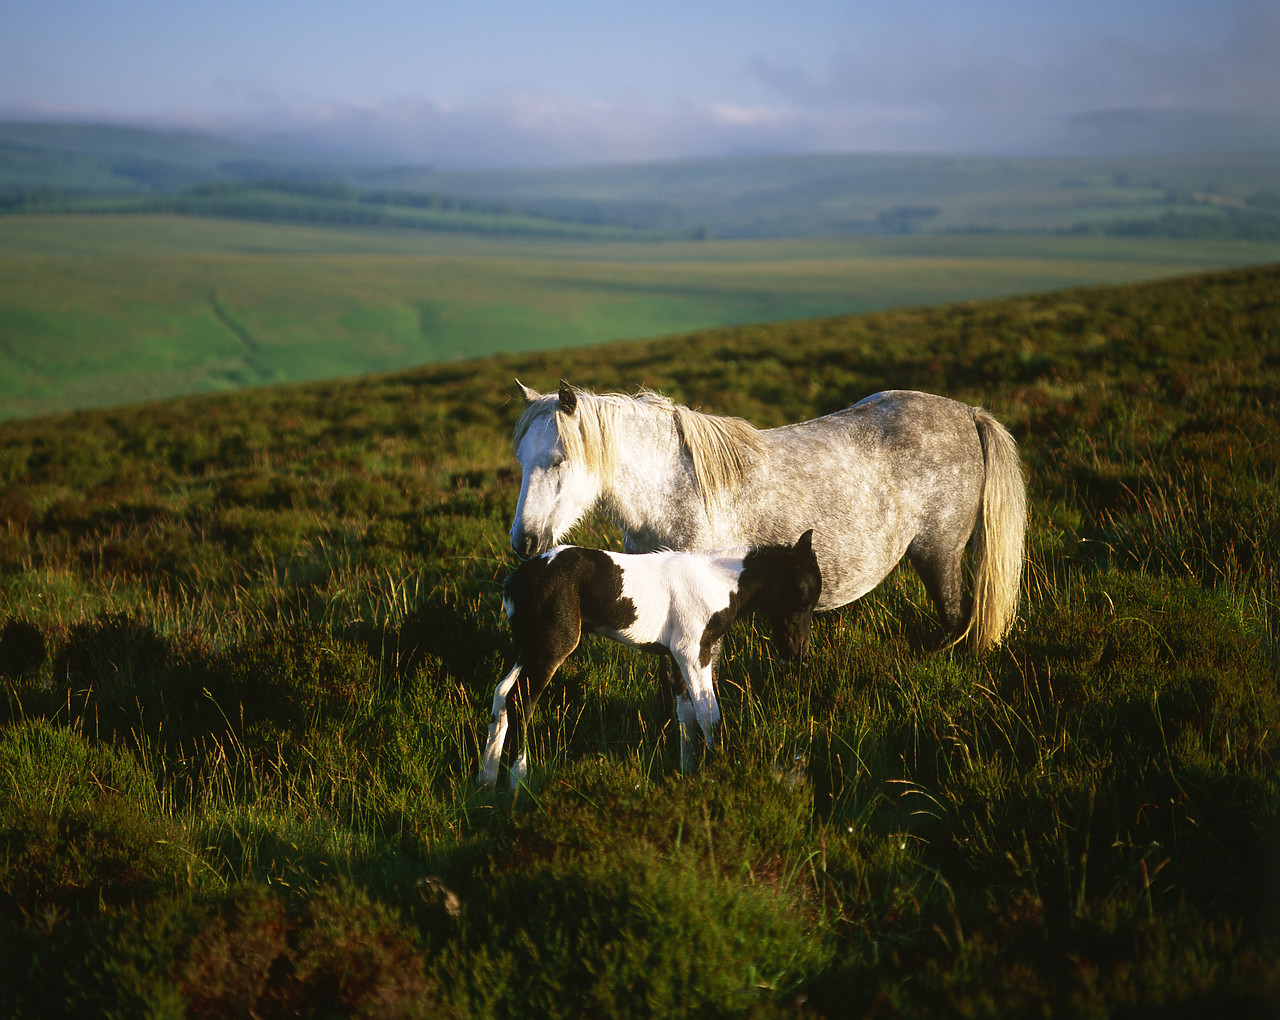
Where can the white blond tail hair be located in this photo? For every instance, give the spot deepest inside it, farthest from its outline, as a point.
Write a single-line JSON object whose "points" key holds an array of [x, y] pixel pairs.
{"points": [[999, 538]]}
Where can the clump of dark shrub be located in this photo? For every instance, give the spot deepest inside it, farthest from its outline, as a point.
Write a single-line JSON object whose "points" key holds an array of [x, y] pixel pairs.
{"points": [[22, 648]]}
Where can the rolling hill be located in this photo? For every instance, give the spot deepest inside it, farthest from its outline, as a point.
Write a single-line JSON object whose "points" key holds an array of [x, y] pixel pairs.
{"points": [[248, 643]]}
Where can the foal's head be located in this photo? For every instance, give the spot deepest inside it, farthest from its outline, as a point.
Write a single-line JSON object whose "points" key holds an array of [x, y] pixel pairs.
{"points": [[791, 584]]}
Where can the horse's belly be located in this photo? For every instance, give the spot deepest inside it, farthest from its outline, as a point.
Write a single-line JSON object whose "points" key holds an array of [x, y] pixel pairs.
{"points": [[852, 563], [870, 481]]}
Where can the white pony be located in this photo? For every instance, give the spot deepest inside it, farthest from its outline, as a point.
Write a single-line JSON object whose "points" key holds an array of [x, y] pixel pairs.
{"points": [[897, 474], [672, 603]]}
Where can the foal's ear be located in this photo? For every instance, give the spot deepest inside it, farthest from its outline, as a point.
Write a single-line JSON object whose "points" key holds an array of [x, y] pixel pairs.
{"points": [[568, 399], [529, 395], [805, 542]]}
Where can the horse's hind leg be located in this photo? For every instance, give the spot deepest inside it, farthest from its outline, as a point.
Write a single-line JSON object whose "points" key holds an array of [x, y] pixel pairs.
{"points": [[944, 581]]}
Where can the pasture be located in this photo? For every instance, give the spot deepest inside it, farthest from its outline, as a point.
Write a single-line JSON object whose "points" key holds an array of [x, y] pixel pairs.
{"points": [[249, 642], [100, 311]]}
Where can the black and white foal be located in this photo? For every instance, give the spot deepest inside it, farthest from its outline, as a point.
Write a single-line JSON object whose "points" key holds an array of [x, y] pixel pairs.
{"points": [[673, 603]]}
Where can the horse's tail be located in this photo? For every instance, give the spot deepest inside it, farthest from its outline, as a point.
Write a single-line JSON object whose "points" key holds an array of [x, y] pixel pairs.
{"points": [[999, 537]]}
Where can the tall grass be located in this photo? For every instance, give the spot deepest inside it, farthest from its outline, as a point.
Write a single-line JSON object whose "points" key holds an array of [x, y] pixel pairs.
{"points": [[248, 645]]}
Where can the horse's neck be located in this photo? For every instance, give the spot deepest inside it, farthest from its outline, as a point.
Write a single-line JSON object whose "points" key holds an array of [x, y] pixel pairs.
{"points": [[652, 495]]}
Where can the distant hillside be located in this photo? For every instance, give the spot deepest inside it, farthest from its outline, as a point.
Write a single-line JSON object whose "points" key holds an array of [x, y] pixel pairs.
{"points": [[48, 168], [102, 310], [58, 167], [859, 195]]}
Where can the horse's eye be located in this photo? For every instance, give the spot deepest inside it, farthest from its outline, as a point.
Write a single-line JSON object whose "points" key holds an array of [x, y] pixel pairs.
{"points": [[557, 461]]}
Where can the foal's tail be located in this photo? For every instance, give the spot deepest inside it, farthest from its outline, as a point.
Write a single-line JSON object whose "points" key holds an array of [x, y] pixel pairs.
{"points": [[999, 536]]}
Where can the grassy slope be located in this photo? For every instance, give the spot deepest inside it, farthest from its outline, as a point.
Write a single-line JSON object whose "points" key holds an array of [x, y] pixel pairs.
{"points": [[250, 639], [100, 311]]}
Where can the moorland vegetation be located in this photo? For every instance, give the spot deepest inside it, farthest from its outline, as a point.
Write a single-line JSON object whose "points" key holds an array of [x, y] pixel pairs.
{"points": [[248, 643]]}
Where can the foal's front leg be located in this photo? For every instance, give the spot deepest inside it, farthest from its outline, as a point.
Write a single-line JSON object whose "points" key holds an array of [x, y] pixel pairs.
{"points": [[517, 693], [545, 635], [696, 704], [492, 755]]}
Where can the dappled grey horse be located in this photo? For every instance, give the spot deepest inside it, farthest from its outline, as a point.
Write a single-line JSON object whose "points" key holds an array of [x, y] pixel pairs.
{"points": [[899, 473]]}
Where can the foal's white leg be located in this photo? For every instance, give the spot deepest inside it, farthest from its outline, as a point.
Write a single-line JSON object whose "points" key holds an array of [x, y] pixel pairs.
{"points": [[498, 730], [696, 706], [519, 770], [706, 708], [686, 719]]}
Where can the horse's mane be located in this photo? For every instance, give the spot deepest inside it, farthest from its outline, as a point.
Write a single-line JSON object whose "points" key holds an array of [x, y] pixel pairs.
{"points": [[718, 446]]}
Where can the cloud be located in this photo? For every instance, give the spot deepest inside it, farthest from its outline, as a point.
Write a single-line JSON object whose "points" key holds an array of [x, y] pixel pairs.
{"points": [[1151, 130], [534, 129], [913, 87], [930, 83]]}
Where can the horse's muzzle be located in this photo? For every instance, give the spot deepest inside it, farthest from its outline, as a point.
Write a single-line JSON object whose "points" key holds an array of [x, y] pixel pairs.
{"points": [[527, 545]]}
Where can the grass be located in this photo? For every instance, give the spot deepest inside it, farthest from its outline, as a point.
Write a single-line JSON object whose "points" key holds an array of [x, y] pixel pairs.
{"points": [[103, 311], [249, 640]]}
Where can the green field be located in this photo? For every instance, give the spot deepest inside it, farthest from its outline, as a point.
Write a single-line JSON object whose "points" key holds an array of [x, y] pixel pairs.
{"points": [[248, 643], [107, 310]]}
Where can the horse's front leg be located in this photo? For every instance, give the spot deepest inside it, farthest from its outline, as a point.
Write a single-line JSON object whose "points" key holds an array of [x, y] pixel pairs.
{"points": [[685, 721]]}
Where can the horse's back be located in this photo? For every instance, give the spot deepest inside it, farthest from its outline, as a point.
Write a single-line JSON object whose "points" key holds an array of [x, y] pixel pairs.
{"points": [[894, 419]]}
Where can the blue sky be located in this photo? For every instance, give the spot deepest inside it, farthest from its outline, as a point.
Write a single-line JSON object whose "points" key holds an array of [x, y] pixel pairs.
{"points": [[564, 81]]}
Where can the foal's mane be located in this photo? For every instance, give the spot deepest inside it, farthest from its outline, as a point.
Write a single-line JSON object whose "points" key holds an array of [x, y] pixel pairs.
{"points": [[719, 447]]}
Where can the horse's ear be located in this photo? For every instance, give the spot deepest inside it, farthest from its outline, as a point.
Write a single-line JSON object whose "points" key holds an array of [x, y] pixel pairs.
{"points": [[568, 399], [805, 542], [529, 395]]}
